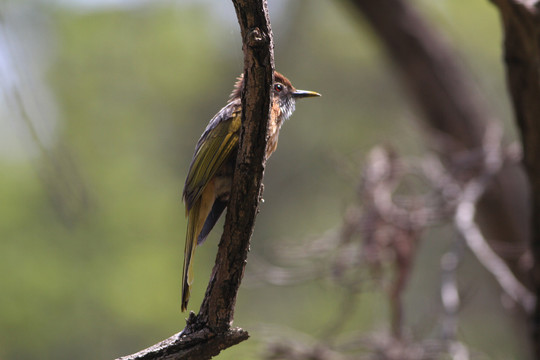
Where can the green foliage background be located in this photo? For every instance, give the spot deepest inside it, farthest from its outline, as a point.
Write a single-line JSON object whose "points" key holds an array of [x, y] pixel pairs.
{"points": [[92, 229]]}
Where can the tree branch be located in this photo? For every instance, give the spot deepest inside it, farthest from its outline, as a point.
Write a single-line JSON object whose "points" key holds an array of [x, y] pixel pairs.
{"points": [[202, 344], [452, 105], [209, 332], [464, 220], [521, 22], [454, 112], [217, 309]]}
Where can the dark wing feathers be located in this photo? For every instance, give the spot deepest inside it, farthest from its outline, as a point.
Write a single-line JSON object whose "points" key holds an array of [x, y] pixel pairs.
{"points": [[213, 148]]}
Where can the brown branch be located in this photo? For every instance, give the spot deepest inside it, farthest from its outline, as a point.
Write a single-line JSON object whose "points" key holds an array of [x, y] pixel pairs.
{"points": [[429, 69], [454, 113], [217, 308], [209, 332], [521, 22], [202, 344]]}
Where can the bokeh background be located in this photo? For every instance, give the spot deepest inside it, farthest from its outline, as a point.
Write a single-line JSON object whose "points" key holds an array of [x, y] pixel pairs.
{"points": [[101, 104]]}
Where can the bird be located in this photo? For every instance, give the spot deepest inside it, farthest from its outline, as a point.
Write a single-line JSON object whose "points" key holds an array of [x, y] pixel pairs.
{"points": [[209, 179]]}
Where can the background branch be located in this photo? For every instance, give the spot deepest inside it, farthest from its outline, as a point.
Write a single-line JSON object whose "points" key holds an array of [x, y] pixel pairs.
{"points": [[521, 22], [454, 113], [380, 234]]}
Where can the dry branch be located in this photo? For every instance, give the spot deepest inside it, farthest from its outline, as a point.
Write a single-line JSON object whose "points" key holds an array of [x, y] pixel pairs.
{"points": [[200, 344], [209, 332], [455, 115], [381, 230], [464, 220], [217, 308]]}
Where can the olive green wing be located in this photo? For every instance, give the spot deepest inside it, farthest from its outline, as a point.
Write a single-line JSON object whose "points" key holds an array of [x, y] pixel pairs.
{"points": [[214, 147]]}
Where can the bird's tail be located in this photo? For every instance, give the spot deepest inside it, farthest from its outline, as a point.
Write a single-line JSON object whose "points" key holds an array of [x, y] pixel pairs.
{"points": [[197, 215], [189, 251]]}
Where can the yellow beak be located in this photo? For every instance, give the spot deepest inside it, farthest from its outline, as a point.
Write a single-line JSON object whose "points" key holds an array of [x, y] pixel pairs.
{"points": [[298, 94]]}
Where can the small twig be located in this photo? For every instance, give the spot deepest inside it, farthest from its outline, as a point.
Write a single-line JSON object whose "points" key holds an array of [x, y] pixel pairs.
{"points": [[449, 293], [464, 221], [451, 303]]}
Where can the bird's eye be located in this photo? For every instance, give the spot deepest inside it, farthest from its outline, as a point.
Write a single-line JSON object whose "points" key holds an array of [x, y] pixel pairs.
{"points": [[278, 87]]}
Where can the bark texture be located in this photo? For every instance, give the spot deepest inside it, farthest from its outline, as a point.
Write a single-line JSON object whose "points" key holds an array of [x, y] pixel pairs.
{"points": [[217, 309], [209, 332]]}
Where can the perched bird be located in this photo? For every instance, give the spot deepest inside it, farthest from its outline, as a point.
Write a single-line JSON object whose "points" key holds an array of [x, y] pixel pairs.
{"points": [[208, 183]]}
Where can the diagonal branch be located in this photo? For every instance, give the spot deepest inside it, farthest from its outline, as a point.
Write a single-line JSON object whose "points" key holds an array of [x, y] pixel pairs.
{"points": [[464, 220], [217, 308], [454, 112], [209, 332]]}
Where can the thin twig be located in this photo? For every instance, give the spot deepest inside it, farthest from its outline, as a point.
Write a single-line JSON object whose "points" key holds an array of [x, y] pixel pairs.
{"points": [[464, 221]]}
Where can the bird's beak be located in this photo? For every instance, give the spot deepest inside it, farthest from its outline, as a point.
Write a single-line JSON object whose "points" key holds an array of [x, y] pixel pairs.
{"points": [[298, 94]]}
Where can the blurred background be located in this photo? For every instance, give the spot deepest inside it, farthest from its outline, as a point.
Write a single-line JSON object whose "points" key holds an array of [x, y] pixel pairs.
{"points": [[101, 104]]}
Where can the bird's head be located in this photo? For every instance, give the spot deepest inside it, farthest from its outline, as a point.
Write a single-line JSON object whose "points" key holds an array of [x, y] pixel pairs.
{"points": [[286, 94], [283, 91]]}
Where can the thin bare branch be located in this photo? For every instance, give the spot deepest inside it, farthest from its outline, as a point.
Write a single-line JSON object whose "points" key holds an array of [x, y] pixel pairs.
{"points": [[466, 225]]}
